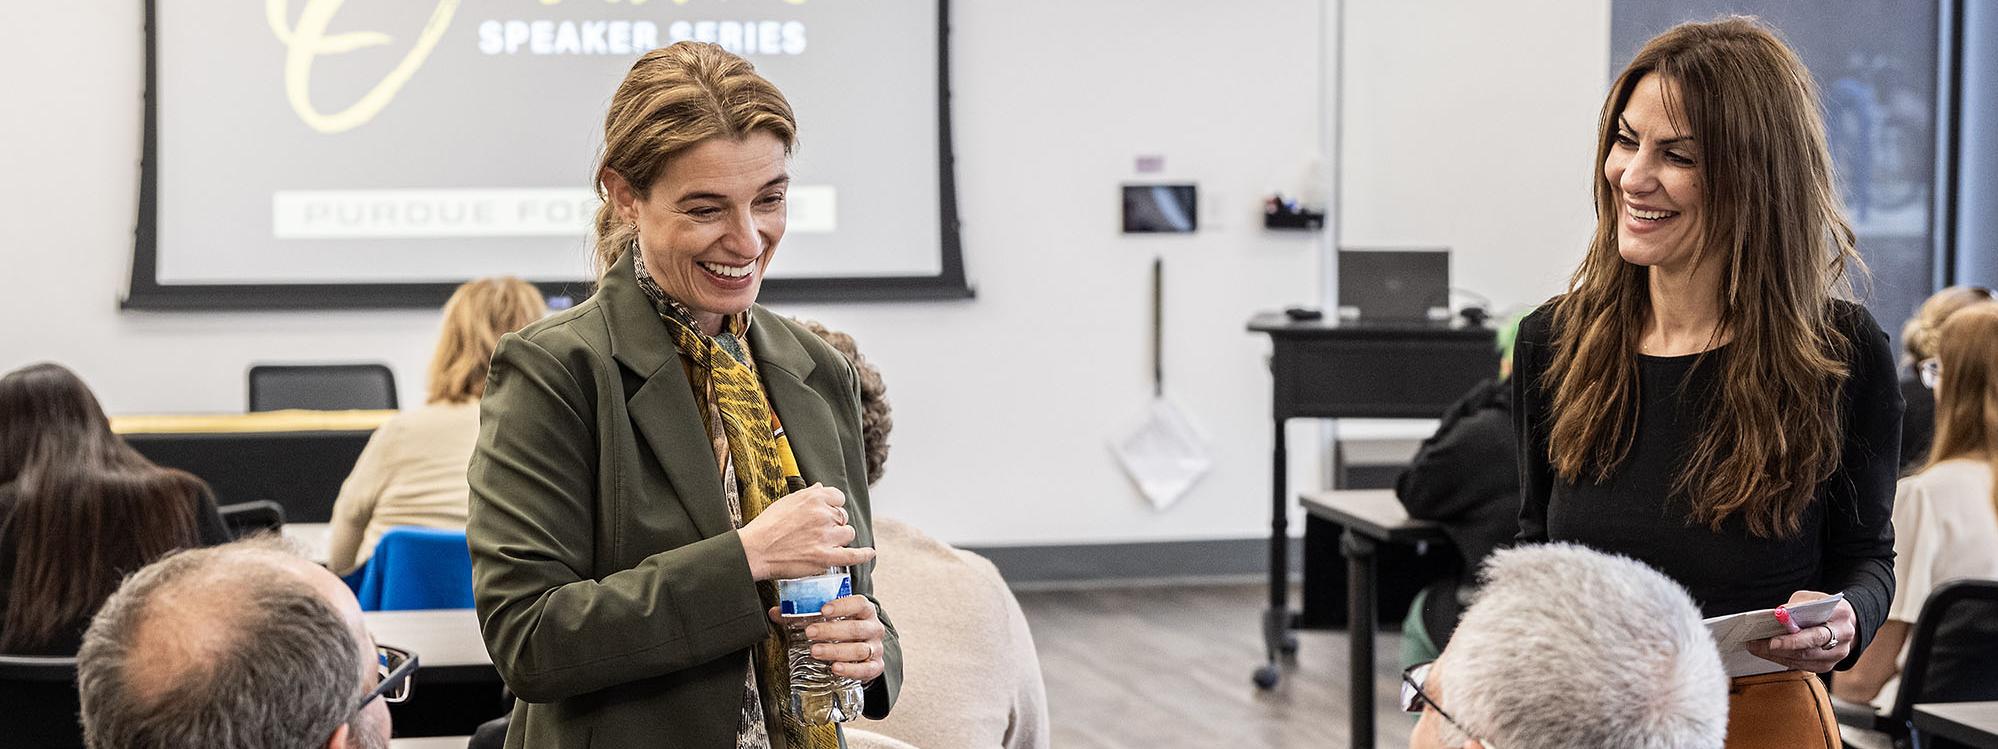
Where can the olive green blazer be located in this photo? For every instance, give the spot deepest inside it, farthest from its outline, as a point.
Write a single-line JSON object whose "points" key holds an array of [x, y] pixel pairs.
{"points": [[612, 589]]}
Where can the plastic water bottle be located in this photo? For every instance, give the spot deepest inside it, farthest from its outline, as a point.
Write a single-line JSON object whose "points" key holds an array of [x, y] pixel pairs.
{"points": [[818, 696]]}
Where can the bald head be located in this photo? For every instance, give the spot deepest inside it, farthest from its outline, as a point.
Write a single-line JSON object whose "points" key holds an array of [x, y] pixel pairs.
{"points": [[242, 645]]}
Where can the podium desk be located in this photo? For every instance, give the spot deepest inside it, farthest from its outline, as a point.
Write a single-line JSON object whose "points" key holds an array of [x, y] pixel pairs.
{"points": [[1329, 369]]}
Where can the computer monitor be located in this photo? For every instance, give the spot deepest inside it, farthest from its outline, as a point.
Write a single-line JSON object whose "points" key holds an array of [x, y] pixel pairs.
{"points": [[1394, 285]]}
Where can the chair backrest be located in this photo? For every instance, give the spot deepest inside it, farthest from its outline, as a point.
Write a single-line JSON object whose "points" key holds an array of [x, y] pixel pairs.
{"points": [[38, 702], [418, 568], [245, 518], [321, 387], [1953, 651]]}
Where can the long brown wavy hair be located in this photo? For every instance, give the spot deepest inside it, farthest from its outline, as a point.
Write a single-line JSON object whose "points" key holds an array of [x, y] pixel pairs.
{"points": [[1967, 393], [88, 508], [1772, 431], [674, 98]]}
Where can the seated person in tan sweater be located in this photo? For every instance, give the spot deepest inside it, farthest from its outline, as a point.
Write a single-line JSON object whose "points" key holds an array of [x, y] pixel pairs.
{"points": [[970, 676], [413, 470]]}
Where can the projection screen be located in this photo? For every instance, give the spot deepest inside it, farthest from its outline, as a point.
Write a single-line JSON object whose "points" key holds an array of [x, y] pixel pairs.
{"points": [[375, 153]]}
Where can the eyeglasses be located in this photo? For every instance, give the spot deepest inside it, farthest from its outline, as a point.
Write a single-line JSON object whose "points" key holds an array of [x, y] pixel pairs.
{"points": [[1413, 698], [1931, 370], [395, 666]]}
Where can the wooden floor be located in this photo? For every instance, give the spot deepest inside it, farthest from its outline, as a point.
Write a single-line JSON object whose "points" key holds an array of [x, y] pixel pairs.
{"points": [[1170, 667]]}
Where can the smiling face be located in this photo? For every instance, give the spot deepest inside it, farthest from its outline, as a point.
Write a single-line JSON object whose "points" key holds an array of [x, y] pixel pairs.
{"points": [[711, 222], [1653, 169]]}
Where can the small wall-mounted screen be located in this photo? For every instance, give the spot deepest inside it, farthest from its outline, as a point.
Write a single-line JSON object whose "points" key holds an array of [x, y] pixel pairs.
{"points": [[1160, 209]]}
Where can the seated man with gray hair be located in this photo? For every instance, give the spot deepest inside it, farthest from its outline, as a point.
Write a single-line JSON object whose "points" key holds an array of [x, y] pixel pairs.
{"points": [[241, 646], [1570, 647]]}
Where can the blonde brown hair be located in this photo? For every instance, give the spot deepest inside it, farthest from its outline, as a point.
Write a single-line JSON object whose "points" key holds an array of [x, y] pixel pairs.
{"points": [[1967, 393], [1773, 221], [674, 98], [478, 314], [1918, 337]]}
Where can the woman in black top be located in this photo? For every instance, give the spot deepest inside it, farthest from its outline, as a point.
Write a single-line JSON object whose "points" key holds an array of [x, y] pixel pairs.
{"points": [[1698, 400], [79, 510]]}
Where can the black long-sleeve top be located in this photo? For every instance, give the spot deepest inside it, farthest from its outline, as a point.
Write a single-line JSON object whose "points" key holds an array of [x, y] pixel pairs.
{"points": [[1846, 542], [1465, 476]]}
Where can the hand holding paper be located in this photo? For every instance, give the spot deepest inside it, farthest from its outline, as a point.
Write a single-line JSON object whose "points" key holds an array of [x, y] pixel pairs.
{"points": [[1758, 642], [1820, 643]]}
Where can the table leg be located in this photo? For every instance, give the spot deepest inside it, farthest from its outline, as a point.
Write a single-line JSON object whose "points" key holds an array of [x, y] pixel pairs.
{"points": [[1276, 618], [1360, 582]]}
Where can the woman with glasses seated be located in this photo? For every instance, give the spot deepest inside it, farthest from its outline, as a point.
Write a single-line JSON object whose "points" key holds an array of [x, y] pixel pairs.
{"points": [[79, 510], [1702, 399], [1946, 516], [1918, 340]]}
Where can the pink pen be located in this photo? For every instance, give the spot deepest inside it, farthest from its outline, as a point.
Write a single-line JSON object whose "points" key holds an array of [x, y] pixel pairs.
{"points": [[1783, 615]]}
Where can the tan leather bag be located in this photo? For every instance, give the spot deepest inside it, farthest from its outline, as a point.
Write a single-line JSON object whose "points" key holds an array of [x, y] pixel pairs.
{"points": [[1783, 710]]}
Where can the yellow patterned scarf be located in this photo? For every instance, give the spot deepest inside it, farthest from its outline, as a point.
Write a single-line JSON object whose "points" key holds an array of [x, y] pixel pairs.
{"points": [[762, 458]]}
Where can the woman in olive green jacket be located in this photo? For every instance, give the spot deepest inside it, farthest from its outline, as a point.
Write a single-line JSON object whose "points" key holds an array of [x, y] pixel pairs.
{"points": [[635, 490]]}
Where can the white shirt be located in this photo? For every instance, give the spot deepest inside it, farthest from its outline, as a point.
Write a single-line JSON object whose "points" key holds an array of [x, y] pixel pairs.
{"points": [[1945, 528]]}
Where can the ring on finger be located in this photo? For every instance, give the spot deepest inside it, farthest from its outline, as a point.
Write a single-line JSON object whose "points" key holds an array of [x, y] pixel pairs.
{"points": [[1832, 642]]}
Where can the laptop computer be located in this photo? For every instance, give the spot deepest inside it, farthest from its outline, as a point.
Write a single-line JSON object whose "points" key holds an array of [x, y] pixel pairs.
{"points": [[1395, 286]]}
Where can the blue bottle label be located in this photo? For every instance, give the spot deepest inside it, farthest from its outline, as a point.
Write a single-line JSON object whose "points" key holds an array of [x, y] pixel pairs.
{"points": [[805, 596]]}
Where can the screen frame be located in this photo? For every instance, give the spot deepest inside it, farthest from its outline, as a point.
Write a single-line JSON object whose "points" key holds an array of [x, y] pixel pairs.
{"points": [[145, 292]]}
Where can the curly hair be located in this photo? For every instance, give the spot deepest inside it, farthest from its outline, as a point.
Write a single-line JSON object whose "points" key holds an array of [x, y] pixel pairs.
{"points": [[875, 415], [1923, 331]]}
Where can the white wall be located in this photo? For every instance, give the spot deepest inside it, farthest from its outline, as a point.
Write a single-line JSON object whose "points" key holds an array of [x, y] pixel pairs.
{"points": [[69, 161], [1466, 125], [1472, 125]]}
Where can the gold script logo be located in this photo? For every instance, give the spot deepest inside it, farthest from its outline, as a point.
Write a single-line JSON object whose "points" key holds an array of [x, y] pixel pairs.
{"points": [[308, 40]]}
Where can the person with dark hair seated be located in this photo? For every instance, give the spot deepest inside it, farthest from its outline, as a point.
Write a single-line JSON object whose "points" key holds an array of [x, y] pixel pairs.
{"points": [[79, 510], [1465, 476]]}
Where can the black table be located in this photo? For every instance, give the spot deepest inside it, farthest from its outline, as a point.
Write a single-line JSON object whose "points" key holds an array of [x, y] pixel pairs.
{"points": [[1371, 518], [297, 459], [1326, 369], [1972, 723]]}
